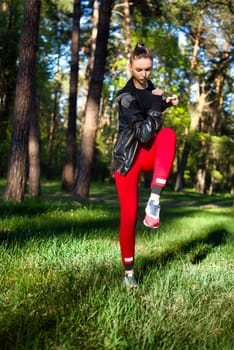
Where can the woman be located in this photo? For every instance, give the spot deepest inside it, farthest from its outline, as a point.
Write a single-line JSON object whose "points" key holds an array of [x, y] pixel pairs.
{"points": [[142, 145]]}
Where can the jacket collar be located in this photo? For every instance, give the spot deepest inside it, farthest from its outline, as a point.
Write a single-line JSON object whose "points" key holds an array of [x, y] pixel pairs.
{"points": [[130, 87]]}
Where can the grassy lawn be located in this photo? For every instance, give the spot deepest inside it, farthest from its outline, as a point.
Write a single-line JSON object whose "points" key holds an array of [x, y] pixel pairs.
{"points": [[61, 274]]}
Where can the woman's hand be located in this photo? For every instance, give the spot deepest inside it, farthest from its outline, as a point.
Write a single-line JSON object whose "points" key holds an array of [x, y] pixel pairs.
{"points": [[157, 92], [173, 99]]}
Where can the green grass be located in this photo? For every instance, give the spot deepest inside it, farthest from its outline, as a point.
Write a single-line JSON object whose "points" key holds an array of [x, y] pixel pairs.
{"points": [[61, 274]]}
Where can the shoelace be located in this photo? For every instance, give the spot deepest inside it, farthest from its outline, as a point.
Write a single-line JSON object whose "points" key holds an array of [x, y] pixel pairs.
{"points": [[153, 208]]}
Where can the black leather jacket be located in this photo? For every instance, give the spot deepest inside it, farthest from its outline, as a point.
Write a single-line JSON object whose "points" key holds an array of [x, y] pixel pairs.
{"points": [[139, 119]]}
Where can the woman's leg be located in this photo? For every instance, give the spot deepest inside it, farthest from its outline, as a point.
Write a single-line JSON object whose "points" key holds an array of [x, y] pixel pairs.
{"points": [[127, 189], [165, 145], [159, 159]]}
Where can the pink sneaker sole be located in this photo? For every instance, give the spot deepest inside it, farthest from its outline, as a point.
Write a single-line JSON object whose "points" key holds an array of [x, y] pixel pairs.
{"points": [[151, 222]]}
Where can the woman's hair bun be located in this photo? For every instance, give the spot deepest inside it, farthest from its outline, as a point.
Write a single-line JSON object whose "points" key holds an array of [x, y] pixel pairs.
{"points": [[140, 44]]}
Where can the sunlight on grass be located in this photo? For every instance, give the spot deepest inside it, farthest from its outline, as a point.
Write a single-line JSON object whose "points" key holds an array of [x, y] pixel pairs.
{"points": [[61, 278]]}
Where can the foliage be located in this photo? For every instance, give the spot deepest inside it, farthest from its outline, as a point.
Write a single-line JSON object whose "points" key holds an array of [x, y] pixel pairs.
{"points": [[170, 29]]}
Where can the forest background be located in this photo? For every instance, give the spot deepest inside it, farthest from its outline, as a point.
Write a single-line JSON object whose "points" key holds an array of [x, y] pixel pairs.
{"points": [[61, 64]]}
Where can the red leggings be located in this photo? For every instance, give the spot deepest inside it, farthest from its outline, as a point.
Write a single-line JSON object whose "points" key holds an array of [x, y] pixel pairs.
{"points": [[158, 158]]}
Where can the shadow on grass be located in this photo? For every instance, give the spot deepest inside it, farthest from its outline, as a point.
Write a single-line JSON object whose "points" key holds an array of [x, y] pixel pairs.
{"points": [[97, 228], [59, 306], [33, 224], [66, 300], [198, 249], [195, 251]]}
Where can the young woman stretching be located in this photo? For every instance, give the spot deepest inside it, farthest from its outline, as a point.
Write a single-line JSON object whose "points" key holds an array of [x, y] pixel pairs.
{"points": [[142, 145]]}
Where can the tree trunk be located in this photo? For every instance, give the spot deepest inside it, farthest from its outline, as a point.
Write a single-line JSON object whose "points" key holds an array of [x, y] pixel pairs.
{"points": [[34, 148], [82, 183], [53, 119], [179, 185], [89, 67], [195, 115], [219, 92], [201, 181], [17, 167], [55, 113], [128, 37], [8, 58], [69, 166], [203, 166]]}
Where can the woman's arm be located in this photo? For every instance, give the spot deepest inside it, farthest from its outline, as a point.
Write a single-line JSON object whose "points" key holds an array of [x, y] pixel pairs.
{"points": [[169, 101], [132, 115]]}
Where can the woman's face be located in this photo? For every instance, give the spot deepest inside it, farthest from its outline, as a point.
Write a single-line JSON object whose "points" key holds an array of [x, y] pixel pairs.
{"points": [[141, 69]]}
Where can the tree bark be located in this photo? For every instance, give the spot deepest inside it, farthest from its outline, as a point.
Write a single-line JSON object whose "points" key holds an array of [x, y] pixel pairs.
{"points": [[127, 22], [8, 58], [128, 37], [82, 182], [34, 148], [90, 64], [195, 115], [179, 185], [219, 80], [201, 181], [53, 124], [69, 165], [17, 167]]}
